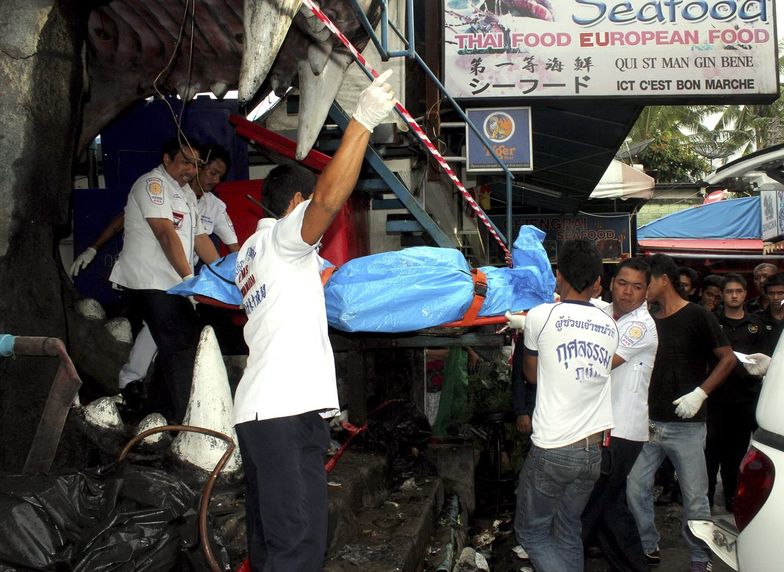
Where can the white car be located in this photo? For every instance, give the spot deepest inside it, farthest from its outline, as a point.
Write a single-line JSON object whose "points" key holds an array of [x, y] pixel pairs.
{"points": [[751, 543]]}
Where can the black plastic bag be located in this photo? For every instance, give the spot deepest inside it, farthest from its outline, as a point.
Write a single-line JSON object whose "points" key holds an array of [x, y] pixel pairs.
{"points": [[116, 518]]}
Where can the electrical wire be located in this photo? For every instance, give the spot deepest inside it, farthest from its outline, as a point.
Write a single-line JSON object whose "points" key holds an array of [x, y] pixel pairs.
{"points": [[181, 137]]}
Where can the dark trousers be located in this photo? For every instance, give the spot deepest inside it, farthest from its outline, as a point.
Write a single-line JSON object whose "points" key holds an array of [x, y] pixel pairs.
{"points": [[730, 426], [607, 519], [175, 329], [286, 492]]}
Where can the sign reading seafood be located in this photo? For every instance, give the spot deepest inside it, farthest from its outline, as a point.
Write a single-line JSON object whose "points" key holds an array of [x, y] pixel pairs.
{"points": [[665, 50]]}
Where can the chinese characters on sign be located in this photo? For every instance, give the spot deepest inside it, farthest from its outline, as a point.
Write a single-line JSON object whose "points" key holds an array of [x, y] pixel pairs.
{"points": [[666, 49]]}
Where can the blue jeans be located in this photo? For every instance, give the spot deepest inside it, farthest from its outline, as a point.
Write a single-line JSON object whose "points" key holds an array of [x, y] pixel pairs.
{"points": [[554, 487], [684, 444]]}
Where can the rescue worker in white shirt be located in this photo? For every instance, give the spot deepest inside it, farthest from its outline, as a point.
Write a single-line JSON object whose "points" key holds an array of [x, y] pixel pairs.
{"points": [[569, 347], [289, 379], [216, 163], [162, 231], [606, 518]]}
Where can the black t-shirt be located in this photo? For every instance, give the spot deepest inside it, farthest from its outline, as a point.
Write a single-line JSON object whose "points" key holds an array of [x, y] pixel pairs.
{"points": [[746, 335], [687, 339], [772, 329]]}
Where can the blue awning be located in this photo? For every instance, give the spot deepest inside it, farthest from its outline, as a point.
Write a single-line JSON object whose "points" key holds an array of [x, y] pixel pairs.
{"points": [[731, 219]]}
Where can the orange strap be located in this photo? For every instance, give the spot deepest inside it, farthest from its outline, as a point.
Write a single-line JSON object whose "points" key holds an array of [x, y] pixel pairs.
{"points": [[470, 318], [327, 273], [480, 292]]}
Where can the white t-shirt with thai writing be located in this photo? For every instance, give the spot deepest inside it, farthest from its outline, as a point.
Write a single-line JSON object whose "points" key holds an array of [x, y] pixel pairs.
{"points": [[142, 264], [630, 380], [574, 343], [290, 369]]}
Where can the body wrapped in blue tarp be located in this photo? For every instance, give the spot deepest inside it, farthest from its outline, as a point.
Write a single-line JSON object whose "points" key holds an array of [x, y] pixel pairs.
{"points": [[410, 289], [423, 287]]}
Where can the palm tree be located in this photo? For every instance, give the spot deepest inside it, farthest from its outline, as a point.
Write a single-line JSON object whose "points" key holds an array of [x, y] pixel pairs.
{"points": [[754, 127]]}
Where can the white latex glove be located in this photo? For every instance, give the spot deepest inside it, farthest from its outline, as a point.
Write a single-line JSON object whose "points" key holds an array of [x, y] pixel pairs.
{"points": [[688, 405], [760, 365], [83, 260], [375, 102], [515, 321]]}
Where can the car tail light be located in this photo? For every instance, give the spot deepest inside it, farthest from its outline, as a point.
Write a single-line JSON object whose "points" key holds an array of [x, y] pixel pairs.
{"points": [[754, 485]]}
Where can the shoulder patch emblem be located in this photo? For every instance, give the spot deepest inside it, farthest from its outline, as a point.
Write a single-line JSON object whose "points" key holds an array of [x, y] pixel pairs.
{"points": [[633, 333], [155, 190]]}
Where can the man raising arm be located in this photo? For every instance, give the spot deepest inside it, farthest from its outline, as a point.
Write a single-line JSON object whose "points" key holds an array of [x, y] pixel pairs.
{"points": [[289, 382]]}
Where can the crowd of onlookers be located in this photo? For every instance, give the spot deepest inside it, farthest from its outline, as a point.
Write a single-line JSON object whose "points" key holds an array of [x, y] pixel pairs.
{"points": [[661, 375]]}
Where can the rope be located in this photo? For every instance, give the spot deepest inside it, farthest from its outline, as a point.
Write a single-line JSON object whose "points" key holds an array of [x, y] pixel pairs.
{"points": [[416, 129]]}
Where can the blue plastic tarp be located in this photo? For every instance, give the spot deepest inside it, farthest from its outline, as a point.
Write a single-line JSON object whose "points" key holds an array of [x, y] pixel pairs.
{"points": [[736, 218], [423, 287], [410, 289], [214, 281]]}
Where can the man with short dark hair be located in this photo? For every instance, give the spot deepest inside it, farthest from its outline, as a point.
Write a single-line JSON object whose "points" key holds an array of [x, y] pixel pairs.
{"points": [[289, 382], [163, 230], [684, 374], [773, 316], [762, 272], [689, 282], [606, 518], [732, 406], [710, 295], [569, 347]]}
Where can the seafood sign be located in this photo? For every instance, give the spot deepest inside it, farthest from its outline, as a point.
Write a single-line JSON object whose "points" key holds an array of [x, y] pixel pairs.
{"points": [[666, 50]]}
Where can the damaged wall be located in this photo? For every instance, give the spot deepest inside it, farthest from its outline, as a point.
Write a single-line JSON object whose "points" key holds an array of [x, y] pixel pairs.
{"points": [[41, 72]]}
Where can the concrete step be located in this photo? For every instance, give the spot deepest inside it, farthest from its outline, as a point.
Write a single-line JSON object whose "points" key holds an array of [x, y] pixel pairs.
{"points": [[391, 535]]}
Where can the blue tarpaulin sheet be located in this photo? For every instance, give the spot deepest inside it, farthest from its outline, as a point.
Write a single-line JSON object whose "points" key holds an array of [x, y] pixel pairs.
{"points": [[736, 218], [411, 289]]}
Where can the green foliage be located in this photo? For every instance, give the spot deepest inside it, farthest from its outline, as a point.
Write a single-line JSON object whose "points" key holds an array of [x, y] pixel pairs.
{"points": [[490, 385], [669, 160]]}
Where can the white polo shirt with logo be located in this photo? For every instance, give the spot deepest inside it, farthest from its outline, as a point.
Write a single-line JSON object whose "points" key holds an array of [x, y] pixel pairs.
{"points": [[574, 343], [630, 380], [290, 369], [215, 219], [142, 264]]}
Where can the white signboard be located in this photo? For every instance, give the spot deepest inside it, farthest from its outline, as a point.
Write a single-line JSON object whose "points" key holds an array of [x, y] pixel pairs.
{"points": [[770, 215], [661, 49]]}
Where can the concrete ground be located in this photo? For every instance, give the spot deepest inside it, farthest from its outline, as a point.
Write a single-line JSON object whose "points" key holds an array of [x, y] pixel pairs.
{"points": [[674, 553]]}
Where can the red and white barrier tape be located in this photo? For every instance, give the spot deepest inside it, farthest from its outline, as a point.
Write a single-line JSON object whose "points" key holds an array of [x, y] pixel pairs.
{"points": [[417, 129]]}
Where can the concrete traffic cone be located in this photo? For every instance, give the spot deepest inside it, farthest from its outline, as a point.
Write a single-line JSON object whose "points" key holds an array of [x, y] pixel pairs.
{"points": [[210, 407]]}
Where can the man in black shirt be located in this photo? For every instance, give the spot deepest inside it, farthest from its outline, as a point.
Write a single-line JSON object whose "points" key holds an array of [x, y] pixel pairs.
{"points": [[762, 272], [690, 339], [731, 407], [773, 317]]}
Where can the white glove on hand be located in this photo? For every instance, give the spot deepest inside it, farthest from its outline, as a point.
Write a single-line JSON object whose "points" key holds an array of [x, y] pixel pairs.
{"points": [[515, 321], [688, 405], [760, 365], [375, 102], [83, 260]]}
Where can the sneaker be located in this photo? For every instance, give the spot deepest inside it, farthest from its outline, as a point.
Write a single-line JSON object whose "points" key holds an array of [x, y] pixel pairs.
{"points": [[701, 567], [653, 558], [520, 552]]}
